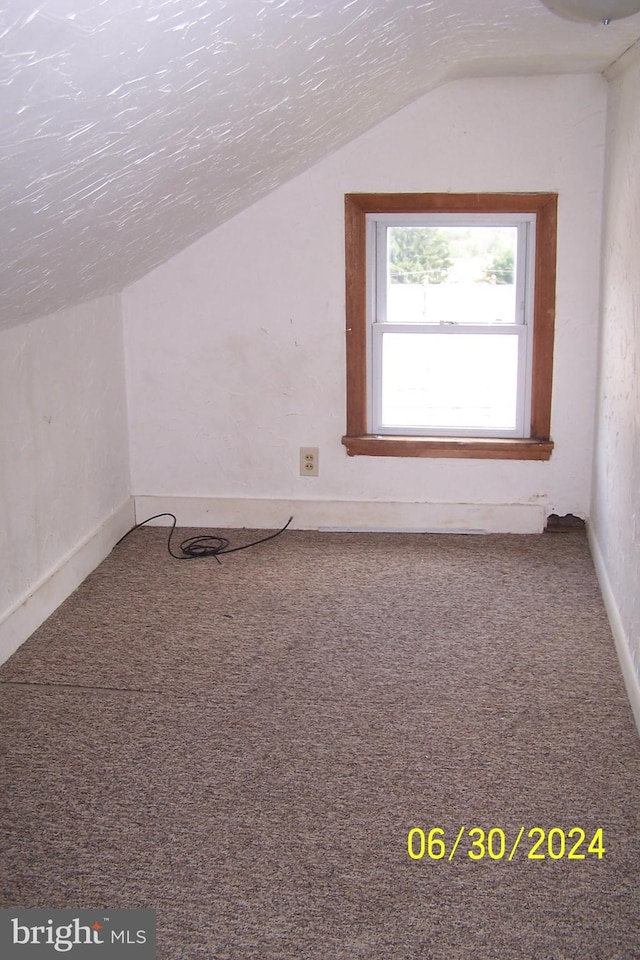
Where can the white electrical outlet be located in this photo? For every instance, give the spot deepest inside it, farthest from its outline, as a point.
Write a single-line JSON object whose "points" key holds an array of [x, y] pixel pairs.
{"points": [[308, 461]]}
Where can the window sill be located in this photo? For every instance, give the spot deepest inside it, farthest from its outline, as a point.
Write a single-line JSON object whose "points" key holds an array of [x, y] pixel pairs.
{"points": [[476, 448]]}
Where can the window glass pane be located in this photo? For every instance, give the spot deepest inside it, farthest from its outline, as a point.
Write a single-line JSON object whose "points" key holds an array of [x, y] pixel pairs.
{"points": [[449, 380], [451, 274]]}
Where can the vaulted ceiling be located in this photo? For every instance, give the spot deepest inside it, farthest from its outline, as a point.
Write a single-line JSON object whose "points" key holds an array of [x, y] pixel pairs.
{"points": [[129, 128]]}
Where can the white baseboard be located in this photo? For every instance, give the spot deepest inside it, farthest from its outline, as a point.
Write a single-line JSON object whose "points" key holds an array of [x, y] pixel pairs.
{"points": [[372, 515], [623, 648], [18, 623]]}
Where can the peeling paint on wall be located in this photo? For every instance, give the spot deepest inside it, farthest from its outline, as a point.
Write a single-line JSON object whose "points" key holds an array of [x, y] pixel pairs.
{"points": [[616, 500]]}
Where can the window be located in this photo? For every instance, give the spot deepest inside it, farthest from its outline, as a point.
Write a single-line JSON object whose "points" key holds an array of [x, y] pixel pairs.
{"points": [[450, 314]]}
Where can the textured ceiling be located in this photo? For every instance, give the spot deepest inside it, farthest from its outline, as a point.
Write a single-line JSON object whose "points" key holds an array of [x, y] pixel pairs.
{"points": [[129, 128]]}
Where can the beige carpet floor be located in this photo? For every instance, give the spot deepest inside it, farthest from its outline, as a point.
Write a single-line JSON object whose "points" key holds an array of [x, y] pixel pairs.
{"points": [[244, 746]]}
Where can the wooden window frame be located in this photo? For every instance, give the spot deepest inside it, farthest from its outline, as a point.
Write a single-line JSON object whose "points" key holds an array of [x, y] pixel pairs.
{"points": [[538, 445]]}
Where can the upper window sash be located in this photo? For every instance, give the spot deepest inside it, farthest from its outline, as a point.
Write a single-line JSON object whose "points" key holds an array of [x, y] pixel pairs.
{"points": [[378, 224]]}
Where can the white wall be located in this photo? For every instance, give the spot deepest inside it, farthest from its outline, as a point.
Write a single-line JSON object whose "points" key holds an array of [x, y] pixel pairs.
{"points": [[235, 348], [615, 513], [64, 472]]}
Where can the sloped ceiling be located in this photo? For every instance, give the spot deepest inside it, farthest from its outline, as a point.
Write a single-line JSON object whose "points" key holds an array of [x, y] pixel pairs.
{"points": [[130, 128]]}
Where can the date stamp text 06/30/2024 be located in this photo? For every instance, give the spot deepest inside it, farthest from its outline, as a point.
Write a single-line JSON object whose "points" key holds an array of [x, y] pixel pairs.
{"points": [[533, 844]]}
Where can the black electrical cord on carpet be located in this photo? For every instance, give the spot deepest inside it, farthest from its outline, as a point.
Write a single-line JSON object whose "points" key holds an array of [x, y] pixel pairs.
{"points": [[205, 545]]}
